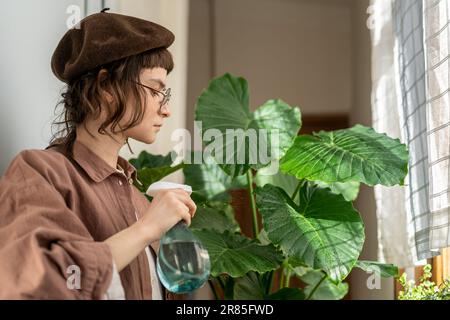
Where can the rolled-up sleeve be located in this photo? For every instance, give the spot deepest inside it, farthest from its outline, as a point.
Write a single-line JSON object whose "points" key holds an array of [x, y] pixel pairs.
{"points": [[46, 251]]}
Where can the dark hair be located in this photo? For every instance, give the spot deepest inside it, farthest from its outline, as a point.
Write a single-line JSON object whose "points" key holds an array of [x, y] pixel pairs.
{"points": [[82, 96]]}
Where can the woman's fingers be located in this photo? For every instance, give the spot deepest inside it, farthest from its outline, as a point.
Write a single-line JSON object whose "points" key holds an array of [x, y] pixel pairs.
{"points": [[187, 201], [182, 196], [185, 214]]}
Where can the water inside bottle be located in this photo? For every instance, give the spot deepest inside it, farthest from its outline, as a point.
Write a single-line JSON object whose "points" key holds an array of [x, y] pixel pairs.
{"points": [[182, 265]]}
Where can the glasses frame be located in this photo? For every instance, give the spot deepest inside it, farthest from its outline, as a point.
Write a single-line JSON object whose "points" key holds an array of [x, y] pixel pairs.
{"points": [[166, 95]]}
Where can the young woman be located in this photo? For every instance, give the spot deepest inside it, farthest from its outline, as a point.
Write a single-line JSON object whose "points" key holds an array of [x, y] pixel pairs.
{"points": [[72, 225]]}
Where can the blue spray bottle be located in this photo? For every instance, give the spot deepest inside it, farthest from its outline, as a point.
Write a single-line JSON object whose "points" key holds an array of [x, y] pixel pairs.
{"points": [[183, 264]]}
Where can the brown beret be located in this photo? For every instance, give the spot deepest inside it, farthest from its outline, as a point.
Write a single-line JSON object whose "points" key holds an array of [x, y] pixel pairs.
{"points": [[105, 37]]}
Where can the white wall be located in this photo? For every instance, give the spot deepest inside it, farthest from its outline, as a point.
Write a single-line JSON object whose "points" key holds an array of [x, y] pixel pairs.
{"points": [[299, 50], [29, 32]]}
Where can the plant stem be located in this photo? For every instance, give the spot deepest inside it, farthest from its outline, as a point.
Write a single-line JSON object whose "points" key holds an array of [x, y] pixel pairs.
{"points": [[287, 279], [281, 284], [213, 287], [316, 287], [222, 285], [270, 282], [297, 189], [252, 202], [283, 278]]}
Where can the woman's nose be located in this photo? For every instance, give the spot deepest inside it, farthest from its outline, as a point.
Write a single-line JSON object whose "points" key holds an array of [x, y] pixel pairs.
{"points": [[165, 111]]}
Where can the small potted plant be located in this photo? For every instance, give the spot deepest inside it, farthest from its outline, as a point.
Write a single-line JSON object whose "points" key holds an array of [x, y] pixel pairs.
{"points": [[425, 289]]}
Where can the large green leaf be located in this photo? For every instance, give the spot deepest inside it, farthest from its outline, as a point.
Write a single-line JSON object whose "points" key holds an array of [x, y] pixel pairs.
{"points": [[356, 154], [150, 175], [288, 183], [262, 237], [209, 180], [249, 287], [384, 270], [152, 168], [237, 141], [323, 232], [279, 118], [148, 160], [253, 287], [236, 255], [213, 219], [349, 189], [325, 289], [287, 294], [285, 181]]}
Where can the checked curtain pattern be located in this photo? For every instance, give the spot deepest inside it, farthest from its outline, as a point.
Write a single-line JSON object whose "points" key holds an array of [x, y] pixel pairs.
{"points": [[410, 63]]}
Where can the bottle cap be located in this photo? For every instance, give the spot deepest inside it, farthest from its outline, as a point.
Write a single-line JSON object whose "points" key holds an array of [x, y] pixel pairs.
{"points": [[160, 185]]}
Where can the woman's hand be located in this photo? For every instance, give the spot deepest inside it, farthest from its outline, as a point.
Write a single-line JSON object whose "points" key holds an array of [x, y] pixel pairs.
{"points": [[167, 208]]}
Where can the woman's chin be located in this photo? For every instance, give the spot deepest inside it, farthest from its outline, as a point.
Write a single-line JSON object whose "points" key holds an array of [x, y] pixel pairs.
{"points": [[150, 140], [146, 139]]}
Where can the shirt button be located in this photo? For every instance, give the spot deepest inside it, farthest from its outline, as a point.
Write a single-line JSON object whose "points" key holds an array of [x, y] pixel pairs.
{"points": [[120, 183]]}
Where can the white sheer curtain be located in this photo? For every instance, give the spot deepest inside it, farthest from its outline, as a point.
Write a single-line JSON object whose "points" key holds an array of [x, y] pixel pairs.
{"points": [[437, 34], [411, 101], [411, 82], [394, 239]]}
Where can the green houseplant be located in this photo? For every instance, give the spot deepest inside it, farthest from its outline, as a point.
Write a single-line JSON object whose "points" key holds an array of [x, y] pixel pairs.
{"points": [[310, 229], [425, 289]]}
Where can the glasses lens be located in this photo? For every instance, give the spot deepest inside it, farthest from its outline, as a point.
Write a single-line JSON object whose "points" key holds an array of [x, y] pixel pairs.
{"points": [[166, 97]]}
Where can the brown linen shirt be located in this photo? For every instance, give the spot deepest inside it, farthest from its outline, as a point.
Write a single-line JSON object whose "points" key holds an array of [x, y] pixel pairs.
{"points": [[55, 213]]}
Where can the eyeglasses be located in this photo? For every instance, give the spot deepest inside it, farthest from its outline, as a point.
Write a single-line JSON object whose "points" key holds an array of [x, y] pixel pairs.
{"points": [[166, 95]]}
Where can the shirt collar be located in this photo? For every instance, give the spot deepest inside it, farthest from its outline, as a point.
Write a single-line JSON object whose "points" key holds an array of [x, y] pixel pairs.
{"points": [[97, 168]]}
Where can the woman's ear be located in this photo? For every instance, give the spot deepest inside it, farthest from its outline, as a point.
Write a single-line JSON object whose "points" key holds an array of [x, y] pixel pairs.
{"points": [[102, 76]]}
